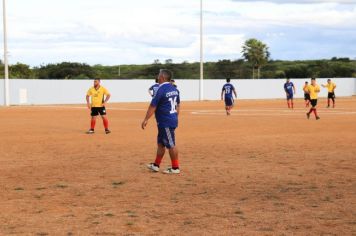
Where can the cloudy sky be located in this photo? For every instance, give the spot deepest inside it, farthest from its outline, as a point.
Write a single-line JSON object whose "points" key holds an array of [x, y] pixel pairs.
{"points": [[112, 32]]}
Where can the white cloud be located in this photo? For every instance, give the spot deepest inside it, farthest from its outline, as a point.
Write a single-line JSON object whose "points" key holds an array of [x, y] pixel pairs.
{"points": [[138, 31]]}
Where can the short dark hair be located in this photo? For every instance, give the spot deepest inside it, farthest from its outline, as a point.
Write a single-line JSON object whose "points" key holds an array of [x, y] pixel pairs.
{"points": [[156, 80], [306, 82], [228, 80], [313, 78], [98, 79], [167, 74]]}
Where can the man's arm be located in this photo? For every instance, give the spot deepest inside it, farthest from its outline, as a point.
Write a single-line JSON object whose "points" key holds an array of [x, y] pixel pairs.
{"points": [[293, 88], [106, 99], [222, 94], [88, 103], [150, 111], [235, 93]]}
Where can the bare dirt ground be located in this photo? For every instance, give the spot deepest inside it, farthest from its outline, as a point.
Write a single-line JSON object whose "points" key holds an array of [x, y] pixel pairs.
{"points": [[265, 170]]}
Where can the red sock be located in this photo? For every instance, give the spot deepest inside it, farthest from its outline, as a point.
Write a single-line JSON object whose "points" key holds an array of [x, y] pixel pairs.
{"points": [[311, 110], [106, 123], [288, 104], [292, 105], [92, 124], [175, 164], [158, 160], [316, 114], [328, 102]]}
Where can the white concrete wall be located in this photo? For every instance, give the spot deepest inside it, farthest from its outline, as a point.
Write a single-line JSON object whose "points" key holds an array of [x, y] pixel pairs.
{"points": [[74, 91]]}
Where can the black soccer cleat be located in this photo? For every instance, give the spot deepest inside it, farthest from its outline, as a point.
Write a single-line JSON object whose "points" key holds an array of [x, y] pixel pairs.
{"points": [[91, 131], [107, 131]]}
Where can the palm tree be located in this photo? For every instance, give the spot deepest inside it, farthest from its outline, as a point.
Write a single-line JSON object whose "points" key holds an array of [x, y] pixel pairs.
{"points": [[255, 52]]}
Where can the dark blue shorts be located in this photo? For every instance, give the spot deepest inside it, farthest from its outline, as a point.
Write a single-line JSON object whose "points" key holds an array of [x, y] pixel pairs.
{"points": [[289, 96], [166, 137], [229, 101]]}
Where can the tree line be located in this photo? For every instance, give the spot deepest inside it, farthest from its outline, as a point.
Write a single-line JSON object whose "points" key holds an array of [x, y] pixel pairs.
{"points": [[256, 63]]}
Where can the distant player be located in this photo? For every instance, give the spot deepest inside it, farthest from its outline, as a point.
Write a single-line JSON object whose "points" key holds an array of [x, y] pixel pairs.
{"points": [[313, 90], [99, 97], [306, 94], [153, 89], [331, 92], [165, 106], [227, 95], [173, 82], [290, 91]]}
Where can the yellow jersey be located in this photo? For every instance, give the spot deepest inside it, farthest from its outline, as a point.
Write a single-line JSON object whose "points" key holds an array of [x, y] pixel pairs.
{"points": [[305, 89], [97, 96], [331, 87], [313, 91]]}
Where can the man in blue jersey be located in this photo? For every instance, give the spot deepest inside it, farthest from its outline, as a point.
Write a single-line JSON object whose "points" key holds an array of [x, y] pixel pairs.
{"points": [[290, 91], [227, 94], [153, 89], [165, 106]]}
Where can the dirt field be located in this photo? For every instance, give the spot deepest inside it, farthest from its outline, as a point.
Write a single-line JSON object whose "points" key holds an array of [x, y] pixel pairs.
{"points": [[265, 170]]}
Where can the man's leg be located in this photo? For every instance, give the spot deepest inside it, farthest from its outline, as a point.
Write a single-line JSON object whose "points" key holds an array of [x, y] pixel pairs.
{"points": [[160, 154], [92, 122], [105, 122], [173, 153], [333, 99], [292, 104]]}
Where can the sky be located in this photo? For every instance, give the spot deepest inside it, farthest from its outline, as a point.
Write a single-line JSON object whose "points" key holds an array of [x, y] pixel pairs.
{"points": [[114, 32]]}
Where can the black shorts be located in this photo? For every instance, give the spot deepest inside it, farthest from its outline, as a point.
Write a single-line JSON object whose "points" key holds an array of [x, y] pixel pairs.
{"points": [[306, 96], [314, 102], [98, 110], [331, 95]]}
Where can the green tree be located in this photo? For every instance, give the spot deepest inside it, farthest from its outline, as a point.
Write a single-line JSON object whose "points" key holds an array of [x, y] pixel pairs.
{"points": [[256, 53]]}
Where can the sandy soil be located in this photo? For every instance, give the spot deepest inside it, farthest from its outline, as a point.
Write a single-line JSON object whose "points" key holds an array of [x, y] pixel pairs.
{"points": [[265, 170]]}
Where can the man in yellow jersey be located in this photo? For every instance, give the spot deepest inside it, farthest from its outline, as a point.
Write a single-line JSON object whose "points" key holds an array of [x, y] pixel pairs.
{"points": [[331, 92], [306, 94], [99, 97], [313, 90]]}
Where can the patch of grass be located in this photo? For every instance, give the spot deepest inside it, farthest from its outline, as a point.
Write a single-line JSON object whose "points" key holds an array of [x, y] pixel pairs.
{"points": [[239, 212], [109, 215], [19, 189], [268, 229], [116, 184], [42, 234], [62, 186], [40, 188], [131, 214], [130, 223], [96, 223], [187, 222]]}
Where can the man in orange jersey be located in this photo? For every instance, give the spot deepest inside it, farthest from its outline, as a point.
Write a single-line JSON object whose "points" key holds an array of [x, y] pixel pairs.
{"points": [[331, 92], [306, 94], [313, 90], [99, 97]]}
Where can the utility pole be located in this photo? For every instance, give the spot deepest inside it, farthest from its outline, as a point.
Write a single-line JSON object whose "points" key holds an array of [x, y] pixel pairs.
{"points": [[201, 82], [6, 64]]}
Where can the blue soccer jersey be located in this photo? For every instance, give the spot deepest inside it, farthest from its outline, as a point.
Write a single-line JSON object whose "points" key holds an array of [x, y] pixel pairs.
{"points": [[154, 89], [288, 87], [228, 88], [166, 101]]}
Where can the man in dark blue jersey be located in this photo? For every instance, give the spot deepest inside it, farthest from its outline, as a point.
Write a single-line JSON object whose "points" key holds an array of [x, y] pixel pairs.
{"points": [[290, 91], [165, 106], [153, 89], [226, 94]]}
